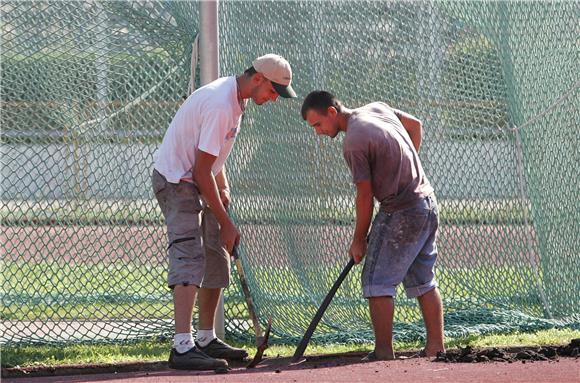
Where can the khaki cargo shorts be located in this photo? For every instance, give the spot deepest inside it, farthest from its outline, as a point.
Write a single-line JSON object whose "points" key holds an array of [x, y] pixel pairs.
{"points": [[196, 255]]}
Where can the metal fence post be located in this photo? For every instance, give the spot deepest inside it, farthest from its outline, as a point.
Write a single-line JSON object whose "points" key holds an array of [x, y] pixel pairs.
{"points": [[209, 71]]}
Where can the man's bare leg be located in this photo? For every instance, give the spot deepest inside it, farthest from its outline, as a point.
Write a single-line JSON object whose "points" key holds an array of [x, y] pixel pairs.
{"points": [[208, 301], [382, 311], [432, 310], [183, 300]]}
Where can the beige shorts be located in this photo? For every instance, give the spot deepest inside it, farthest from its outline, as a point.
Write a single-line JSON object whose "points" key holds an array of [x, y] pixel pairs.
{"points": [[196, 255]]}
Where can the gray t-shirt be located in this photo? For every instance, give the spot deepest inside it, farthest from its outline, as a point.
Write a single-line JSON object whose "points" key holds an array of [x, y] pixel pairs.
{"points": [[378, 148]]}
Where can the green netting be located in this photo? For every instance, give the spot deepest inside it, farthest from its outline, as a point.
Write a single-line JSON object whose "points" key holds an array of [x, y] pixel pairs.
{"points": [[89, 88]]}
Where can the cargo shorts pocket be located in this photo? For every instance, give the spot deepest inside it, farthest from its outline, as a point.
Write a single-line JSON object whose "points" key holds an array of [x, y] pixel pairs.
{"points": [[186, 258], [158, 181]]}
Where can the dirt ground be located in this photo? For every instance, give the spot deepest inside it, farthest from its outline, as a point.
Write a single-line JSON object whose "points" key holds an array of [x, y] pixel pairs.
{"points": [[146, 244], [530, 364]]}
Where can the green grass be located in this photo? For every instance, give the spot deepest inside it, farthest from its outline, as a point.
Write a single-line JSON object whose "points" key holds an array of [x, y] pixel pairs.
{"points": [[154, 351], [36, 291], [251, 210], [51, 291], [83, 291], [87, 292]]}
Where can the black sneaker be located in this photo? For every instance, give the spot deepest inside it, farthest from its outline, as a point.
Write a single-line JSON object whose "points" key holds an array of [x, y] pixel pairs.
{"points": [[194, 359], [218, 349]]}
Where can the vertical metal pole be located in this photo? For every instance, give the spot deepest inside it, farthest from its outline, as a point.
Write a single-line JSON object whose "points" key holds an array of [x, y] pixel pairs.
{"points": [[209, 41], [430, 67], [209, 71], [102, 66]]}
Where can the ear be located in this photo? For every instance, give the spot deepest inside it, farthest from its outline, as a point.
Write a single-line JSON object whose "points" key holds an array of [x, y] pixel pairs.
{"points": [[257, 78], [331, 111]]}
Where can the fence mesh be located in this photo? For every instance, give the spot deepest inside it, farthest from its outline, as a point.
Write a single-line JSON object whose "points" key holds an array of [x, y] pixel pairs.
{"points": [[89, 88]]}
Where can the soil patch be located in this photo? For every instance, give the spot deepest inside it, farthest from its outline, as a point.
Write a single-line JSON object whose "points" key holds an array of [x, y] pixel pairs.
{"points": [[471, 355]]}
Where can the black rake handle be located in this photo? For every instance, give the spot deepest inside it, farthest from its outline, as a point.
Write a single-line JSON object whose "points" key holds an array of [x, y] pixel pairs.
{"points": [[306, 338]]}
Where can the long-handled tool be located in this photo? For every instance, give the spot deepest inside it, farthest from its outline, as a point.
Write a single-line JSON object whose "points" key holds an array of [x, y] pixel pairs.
{"points": [[306, 338], [261, 347], [248, 297]]}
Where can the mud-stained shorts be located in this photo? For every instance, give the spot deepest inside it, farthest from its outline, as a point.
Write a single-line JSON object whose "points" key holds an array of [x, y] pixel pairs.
{"points": [[196, 255], [402, 248]]}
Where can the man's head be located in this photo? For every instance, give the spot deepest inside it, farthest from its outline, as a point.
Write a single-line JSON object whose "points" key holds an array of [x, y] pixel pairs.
{"points": [[321, 110], [270, 76]]}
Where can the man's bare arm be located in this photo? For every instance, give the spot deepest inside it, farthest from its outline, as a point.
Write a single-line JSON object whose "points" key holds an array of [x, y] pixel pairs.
{"points": [[223, 187], [208, 188], [364, 215]]}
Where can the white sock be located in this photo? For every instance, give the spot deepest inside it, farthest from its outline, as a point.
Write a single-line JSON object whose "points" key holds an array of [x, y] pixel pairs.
{"points": [[183, 342], [204, 337]]}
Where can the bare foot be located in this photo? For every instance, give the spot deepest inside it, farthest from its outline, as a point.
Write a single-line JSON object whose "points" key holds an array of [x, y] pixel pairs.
{"points": [[384, 355], [432, 352], [373, 357]]}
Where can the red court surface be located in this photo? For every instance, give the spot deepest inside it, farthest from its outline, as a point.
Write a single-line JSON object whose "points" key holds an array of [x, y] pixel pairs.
{"points": [[347, 368]]}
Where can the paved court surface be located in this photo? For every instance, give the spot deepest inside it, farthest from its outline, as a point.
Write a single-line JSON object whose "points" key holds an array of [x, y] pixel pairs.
{"points": [[347, 368]]}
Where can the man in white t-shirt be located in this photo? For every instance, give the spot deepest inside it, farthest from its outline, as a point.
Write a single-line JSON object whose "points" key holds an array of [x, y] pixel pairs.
{"points": [[189, 168]]}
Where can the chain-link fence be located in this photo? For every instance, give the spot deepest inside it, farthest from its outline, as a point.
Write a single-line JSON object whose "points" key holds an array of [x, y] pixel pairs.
{"points": [[89, 88]]}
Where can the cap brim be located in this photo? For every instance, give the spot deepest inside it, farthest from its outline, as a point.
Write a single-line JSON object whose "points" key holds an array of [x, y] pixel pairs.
{"points": [[285, 91]]}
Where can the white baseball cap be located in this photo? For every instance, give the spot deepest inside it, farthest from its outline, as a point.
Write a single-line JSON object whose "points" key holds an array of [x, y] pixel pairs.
{"points": [[276, 69]]}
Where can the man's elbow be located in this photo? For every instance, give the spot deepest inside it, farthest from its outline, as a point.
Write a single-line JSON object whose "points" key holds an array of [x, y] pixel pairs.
{"points": [[198, 172], [364, 189], [195, 170]]}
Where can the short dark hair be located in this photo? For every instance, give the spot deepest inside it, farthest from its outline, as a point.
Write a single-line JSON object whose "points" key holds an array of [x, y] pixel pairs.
{"points": [[320, 100], [250, 71]]}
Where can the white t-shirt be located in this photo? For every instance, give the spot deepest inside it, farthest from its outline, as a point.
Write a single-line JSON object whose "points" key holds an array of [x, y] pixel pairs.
{"points": [[209, 120]]}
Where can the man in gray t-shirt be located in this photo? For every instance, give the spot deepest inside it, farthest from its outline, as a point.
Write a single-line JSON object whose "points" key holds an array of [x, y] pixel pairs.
{"points": [[380, 148], [377, 144]]}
